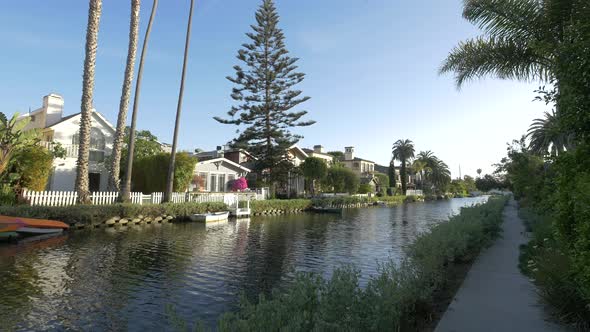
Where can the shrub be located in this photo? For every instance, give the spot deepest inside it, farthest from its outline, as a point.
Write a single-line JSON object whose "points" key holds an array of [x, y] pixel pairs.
{"points": [[365, 189], [280, 205], [544, 260], [33, 164], [149, 173], [393, 300], [96, 214]]}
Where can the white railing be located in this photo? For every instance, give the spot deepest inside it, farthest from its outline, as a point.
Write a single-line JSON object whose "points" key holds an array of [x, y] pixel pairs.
{"points": [[411, 192], [71, 150], [68, 198]]}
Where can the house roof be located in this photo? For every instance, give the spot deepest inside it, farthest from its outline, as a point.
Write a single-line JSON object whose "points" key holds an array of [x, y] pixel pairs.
{"points": [[69, 117], [310, 151], [381, 169], [366, 180], [300, 150], [211, 161], [360, 159], [64, 119]]}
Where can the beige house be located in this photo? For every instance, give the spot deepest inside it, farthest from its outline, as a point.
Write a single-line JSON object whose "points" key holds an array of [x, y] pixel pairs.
{"points": [[318, 152], [361, 167]]}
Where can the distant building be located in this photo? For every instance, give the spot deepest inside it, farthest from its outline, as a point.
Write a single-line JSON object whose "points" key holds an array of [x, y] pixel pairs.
{"points": [[318, 152], [56, 128], [362, 167]]}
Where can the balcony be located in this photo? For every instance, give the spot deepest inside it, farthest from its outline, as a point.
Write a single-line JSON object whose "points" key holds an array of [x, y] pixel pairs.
{"points": [[71, 151]]}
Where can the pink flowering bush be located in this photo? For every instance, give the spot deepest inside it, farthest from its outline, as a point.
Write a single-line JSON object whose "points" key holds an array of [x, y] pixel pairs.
{"points": [[240, 184]]}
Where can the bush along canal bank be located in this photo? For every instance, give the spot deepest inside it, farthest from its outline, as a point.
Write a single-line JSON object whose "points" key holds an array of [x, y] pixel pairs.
{"points": [[403, 296], [546, 262], [280, 206], [95, 216], [92, 216]]}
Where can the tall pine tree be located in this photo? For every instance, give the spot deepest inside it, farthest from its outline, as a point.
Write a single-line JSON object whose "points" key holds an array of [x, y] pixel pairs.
{"points": [[265, 97]]}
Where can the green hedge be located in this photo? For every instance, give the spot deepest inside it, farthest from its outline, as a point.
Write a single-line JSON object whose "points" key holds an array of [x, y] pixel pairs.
{"points": [[96, 214], [280, 204], [394, 299], [546, 261]]}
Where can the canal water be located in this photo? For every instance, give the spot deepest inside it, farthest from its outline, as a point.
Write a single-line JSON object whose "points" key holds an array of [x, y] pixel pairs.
{"points": [[129, 278]]}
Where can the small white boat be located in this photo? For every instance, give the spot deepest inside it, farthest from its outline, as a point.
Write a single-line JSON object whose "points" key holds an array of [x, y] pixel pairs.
{"points": [[209, 217]]}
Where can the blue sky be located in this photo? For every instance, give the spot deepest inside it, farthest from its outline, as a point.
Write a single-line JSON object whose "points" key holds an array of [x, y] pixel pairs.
{"points": [[371, 70]]}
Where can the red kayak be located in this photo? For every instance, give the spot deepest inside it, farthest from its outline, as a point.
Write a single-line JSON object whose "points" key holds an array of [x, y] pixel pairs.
{"points": [[11, 222], [12, 227]]}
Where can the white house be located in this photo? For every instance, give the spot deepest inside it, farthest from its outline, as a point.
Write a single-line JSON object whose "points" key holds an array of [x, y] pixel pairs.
{"points": [[55, 128], [216, 175]]}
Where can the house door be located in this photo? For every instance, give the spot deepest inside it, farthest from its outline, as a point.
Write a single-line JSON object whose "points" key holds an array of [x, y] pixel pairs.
{"points": [[94, 182]]}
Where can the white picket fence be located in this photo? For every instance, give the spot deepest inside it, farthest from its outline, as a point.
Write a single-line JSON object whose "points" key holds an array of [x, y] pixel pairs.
{"points": [[68, 198]]}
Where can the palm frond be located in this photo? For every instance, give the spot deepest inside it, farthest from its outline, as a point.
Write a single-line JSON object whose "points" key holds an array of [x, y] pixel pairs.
{"points": [[502, 58], [506, 19]]}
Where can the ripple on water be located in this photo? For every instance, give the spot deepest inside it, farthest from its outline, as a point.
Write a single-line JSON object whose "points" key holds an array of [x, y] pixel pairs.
{"points": [[123, 279]]}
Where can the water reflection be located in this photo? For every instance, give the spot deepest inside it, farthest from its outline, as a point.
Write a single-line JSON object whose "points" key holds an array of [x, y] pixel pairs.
{"points": [[122, 279]]}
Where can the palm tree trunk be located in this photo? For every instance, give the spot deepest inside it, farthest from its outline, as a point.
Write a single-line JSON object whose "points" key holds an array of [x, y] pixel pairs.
{"points": [[114, 183], [126, 191], [170, 179], [403, 177], [94, 11]]}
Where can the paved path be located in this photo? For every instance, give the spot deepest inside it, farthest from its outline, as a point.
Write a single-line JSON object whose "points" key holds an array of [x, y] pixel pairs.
{"points": [[495, 296]]}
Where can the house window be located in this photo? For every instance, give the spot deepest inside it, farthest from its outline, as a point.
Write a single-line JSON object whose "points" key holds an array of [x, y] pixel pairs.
{"points": [[357, 165], [213, 184], [97, 144], [230, 180], [221, 184], [203, 183]]}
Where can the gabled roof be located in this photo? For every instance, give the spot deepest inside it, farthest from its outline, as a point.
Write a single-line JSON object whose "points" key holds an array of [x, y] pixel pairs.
{"points": [[69, 117], [64, 119], [359, 159], [311, 151], [298, 149], [224, 160]]}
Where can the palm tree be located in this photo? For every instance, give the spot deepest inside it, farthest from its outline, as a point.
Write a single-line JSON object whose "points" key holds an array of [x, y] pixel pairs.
{"points": [[94, 11], [441, 175], [546, 136], [419, 167], [126, 191], [519, 42], [403, 150], [125, 96], [170, 180], [436, 172]]}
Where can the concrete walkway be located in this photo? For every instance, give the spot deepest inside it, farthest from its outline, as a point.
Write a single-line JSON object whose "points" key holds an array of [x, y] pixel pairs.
{"points": [[495, 296]]}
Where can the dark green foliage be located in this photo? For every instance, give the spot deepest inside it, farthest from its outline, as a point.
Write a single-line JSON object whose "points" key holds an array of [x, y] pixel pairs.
{"points": [[338, 156], [393, 300], [403, 150], [392, 175], [33, 165], [552, 270], [437, 175], [365, 189], [314, 169], [264, 96], [342, 180], [148, 172], [488, 182], [95, 214], [286, 205]]}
